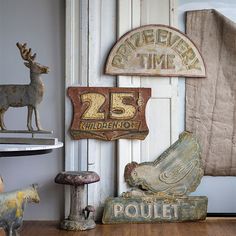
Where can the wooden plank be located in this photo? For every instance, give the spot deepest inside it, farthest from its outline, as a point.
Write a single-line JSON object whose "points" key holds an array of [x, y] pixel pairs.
{"points": [[127, 151], [163, 116], [158, 120], [101, 35], [159, 12], [216, 227], [173, 21], [76, 73]]}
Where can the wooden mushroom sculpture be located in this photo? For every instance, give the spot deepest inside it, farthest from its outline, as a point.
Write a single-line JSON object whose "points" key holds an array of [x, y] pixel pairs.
{"points": [[78, 218]]}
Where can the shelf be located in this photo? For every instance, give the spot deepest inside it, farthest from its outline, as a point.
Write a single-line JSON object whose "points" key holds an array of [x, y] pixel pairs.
{"points": [[7, 150]]}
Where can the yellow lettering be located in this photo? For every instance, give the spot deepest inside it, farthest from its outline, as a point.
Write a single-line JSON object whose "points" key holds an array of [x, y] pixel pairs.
{"points": [[124, 51], [181, 47], [137, 40], [118, 62], [159, 61], [195, 65], [119, 108], [172, 39], [95, 102], [162, 37], [148, 36], [170, 61], [188, 56]]}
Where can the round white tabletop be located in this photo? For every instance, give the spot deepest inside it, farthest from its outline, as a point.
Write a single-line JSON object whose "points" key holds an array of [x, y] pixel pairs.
{"points": [[27, 147], [11, 150]]}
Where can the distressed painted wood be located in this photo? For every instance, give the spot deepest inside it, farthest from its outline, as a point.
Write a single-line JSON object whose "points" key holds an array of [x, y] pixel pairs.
{"points": [[90, 32], [101, 35], [212, 226], [155, 50], [127, 150], [154, 209], [12, 205], [163, 104], [109, 113], [85, 65], [176, 172], [162, 188]]}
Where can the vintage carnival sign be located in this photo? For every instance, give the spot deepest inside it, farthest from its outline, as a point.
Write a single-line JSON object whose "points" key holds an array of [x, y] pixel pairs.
{"points": [[109, 113], [155, 50]]}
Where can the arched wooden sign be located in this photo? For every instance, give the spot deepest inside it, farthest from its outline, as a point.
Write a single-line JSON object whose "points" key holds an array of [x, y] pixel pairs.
{"points": [[155, 50]]}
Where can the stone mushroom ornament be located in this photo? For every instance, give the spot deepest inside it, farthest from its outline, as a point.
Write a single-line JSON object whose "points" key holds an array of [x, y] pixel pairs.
{"points": [[87, 211], [78, 219]]}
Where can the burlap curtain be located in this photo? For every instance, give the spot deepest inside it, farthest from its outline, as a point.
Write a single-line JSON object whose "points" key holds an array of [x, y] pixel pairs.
{"points": [[211, 102]]}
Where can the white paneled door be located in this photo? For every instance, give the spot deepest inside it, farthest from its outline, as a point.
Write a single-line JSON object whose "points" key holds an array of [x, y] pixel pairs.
{"points": [[162, 109], [92, 27], [90, 33]]}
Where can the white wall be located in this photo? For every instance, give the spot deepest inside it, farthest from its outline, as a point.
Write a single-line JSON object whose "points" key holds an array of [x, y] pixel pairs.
{"points": [[41, 24]]}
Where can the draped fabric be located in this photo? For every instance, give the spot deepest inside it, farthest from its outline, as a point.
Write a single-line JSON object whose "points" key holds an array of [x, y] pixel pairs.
{"points": [[211, 101]]}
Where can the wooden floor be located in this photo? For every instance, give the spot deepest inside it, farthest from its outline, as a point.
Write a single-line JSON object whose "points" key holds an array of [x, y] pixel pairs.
{"points": [[210, 227]]}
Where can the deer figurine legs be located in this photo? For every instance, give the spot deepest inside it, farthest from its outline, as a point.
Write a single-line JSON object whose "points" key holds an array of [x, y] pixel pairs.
{"points": [[29, 118], [37, 121]]}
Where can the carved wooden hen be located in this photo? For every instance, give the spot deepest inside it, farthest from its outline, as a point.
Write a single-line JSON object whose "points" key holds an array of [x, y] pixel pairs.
{"points": [[176, 172]]}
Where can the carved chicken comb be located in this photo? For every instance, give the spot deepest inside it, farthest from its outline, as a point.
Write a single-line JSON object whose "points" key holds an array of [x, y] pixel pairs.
{"points": [[129, 168]]}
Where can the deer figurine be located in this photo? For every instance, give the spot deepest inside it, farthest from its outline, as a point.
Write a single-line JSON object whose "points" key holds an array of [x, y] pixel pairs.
{"points": [[29, 95]]}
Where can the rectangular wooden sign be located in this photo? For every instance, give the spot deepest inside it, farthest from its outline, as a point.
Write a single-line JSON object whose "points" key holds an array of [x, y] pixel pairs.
{"points": [[109, 113], [153, 209]]}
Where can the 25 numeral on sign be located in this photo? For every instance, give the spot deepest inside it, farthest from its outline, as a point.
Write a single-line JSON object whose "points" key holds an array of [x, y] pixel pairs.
{"points": [[109, 113], [118, 109]]}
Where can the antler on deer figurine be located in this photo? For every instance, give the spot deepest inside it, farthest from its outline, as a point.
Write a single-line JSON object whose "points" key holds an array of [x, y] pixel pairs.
{"points": [[29, 95]]}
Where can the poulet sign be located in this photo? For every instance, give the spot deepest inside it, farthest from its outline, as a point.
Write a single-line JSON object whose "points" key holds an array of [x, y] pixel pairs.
{"points": [[160, 188], [109, 113], [154, 209]]}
